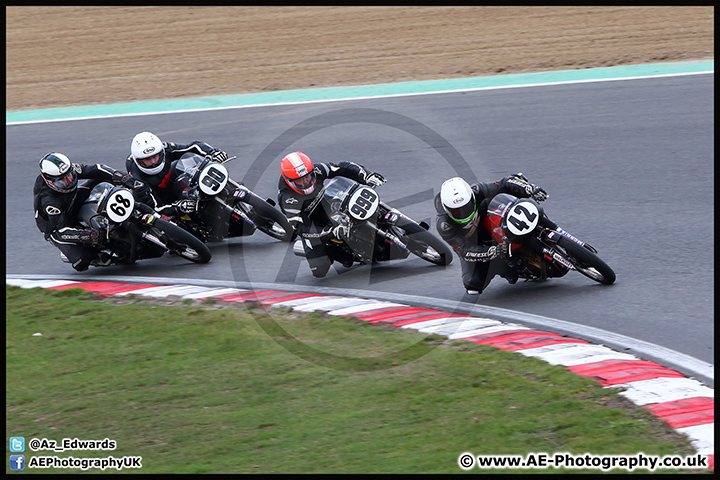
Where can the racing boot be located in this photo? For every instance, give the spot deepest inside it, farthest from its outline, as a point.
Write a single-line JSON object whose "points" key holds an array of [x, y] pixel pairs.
{"points": [[103, 259], [511, 277]]}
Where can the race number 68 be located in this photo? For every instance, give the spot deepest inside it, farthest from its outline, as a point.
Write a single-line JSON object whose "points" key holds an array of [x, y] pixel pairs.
{"points": [[120, 206]]}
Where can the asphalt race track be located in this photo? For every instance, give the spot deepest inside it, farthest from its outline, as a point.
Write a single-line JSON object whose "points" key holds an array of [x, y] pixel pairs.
{"points": [[628, 166]]}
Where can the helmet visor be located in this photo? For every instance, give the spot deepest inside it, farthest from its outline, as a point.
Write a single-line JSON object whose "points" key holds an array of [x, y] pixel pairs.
{"points": [[304, 182], [66, 180], [462, 214], [150, 162]]}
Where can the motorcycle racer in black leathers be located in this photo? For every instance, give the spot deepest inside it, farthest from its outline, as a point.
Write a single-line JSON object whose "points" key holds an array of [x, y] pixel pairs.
{"points": [[461, 209], [151, 164], [57, 199], [299, 184]]}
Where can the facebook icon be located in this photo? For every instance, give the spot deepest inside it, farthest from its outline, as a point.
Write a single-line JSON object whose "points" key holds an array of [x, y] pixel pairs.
{"points": [[17, 462]]}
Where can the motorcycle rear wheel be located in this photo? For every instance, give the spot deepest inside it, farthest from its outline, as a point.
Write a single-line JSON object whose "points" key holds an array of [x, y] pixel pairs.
{"points": [[586, 262]]}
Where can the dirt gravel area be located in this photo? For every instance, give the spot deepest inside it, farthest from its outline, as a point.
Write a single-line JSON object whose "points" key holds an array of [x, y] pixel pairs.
{"points": [[72, 55]]}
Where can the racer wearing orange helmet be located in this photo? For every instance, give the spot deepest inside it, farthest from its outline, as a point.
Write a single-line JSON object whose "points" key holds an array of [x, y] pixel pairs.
{"points": [[299, 183]]}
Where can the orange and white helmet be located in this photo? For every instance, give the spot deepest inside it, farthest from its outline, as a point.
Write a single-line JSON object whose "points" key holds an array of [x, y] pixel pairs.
{"points": [[297, 170]]}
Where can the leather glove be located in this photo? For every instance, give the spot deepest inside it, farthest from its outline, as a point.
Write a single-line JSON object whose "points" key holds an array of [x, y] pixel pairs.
{"points": [[501, 249], [533, 191], [187, 205], [342, 230], [538, 194], [218, 156], [375, 179], [124, 179], [91, 236]]}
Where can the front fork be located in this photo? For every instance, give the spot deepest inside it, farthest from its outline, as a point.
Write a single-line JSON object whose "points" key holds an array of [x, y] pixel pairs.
{"points": [[239, 194]]}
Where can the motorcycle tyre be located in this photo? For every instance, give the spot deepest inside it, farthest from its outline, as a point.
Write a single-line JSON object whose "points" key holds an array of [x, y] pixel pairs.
{"points": [[182, 237], [418, 239], [583, 258], [265, 211]]}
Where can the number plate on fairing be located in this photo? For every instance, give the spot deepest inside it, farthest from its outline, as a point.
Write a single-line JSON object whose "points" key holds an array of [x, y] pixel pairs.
{"points": [[522, 218], [363, 203], [213, 179], [120, 205]]}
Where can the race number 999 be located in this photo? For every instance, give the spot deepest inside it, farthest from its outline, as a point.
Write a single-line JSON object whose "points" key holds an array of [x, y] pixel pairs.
{"points": [[363, 203]]}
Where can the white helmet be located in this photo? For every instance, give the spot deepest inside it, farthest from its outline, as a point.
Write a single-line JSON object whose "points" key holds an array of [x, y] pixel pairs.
{"points": [[58, 172], [458, 200], [148, 153]]}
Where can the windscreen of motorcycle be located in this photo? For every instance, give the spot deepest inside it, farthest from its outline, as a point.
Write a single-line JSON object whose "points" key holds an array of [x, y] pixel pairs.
{"points": [[187, 169], [94, 202]]}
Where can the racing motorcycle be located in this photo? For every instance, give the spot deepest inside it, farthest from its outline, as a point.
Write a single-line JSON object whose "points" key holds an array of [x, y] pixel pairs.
{"points": [[133, 231], [223, 207], [538, 248], [377, 232]]}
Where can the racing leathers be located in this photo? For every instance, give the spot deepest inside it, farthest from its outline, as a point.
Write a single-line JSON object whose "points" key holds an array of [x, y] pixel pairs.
{"points": [[156, 190], [317, 233], [56, 215], [480, 256]]}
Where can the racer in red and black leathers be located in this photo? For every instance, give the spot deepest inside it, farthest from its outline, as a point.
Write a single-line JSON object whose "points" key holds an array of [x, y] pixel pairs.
{"points": [[461, 210], [57, 199], [154, 180], [298, 186]]}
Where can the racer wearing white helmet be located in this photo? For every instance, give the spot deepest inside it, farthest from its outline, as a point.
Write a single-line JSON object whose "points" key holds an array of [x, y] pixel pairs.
{"points": [[461, 209], [148, 153], [458, 200], [57, 197], [152, 163]]}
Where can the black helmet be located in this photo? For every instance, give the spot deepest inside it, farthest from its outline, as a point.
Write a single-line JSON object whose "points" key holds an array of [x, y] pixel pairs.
{"points": [[58, 172]]}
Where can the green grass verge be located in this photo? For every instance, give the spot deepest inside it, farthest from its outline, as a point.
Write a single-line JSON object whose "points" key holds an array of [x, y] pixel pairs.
{"points": [[195, 388]]}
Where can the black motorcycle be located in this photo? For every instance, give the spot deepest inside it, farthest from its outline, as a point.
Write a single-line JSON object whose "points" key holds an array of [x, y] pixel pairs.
{"points": [[133, 231], [224, 208], [377, 232], [537, 247]]}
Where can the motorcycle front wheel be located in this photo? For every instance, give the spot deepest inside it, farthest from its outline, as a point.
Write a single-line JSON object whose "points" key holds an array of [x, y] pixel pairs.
{"points": [[586, 262], [268, 219], [422, 243], [180, 242]]}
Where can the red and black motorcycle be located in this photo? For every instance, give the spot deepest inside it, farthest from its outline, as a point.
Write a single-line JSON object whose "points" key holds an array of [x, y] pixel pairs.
{"points": [[539, 248]]}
